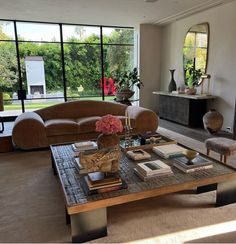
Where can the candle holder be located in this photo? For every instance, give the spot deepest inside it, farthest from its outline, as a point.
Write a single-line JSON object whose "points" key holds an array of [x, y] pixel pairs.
{"points": [[128, 137]]}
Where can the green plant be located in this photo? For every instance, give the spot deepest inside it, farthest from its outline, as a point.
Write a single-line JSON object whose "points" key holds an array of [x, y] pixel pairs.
{"points": [[7, 98], [125, 80], [192, 75]]}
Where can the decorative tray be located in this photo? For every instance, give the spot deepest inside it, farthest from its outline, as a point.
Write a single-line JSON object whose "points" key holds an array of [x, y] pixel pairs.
{"points": [[137, 143]]}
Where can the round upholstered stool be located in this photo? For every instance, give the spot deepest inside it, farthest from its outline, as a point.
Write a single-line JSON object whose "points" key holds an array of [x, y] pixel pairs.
{"points": [[225, 147]]}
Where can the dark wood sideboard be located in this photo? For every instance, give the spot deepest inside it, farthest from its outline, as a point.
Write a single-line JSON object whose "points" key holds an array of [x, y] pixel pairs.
{"points": [[184, 109]]}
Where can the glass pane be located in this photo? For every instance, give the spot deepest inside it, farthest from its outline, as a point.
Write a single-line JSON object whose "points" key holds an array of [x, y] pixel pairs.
{"points": [[83, 70], [201, 56], [189, 54], [9, 76], [81, 34], [116, 58], [189, 40], [38, 32], [7, 30], [31, 105], [41, 73], [201, 40], [118, 36]]}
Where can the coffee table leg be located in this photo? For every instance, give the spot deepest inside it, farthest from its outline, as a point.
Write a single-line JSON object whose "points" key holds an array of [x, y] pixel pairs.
{"points": [[67, 217], [90, 225], [226, 193], [202, 189], [53, 165]]}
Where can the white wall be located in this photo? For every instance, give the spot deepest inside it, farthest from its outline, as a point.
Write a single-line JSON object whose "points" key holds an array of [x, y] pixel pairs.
{"points": [[221, 59], [149, 43]]}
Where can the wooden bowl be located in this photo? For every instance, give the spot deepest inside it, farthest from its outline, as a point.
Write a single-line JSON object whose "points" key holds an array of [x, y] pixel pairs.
{"points": [[190, 154]]}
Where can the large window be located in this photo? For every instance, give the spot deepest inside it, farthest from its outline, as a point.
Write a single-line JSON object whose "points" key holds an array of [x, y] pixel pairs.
{"points": [[118, 54], [82, 61], [45, 63]]}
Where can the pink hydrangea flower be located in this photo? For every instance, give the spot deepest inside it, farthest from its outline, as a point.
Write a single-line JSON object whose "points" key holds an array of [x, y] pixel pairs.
{"points": [[109, 124]]}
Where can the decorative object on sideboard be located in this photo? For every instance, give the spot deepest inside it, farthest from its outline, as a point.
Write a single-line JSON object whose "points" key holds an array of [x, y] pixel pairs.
{"points": [[203, 77], [192, 76], [109, 125], [213, 121], [172, 85], [190, 90], [181, 89]]}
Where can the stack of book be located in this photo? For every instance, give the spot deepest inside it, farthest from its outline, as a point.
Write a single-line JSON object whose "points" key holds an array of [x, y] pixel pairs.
{"points": [[99, 182], [84, 145], [188, 166], [138, 154], [168, 151], [79, 166], [152, 169]]}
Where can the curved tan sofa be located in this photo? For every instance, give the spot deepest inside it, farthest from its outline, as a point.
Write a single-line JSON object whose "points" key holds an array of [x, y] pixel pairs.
{"points": [[74, 121]]}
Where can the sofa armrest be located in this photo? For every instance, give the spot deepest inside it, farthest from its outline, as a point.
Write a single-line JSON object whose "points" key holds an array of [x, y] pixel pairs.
{"points": [[145, 119], [29, 131]]}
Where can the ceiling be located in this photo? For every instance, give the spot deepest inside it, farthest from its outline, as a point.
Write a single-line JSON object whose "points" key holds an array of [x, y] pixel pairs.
{"points": [[104, 12]]}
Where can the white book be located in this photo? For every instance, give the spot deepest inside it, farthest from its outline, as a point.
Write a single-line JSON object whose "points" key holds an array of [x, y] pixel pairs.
{"points": [[153, 167], [145, 178], [84, 145], [138, 154], [170, 150], [192, 169]]}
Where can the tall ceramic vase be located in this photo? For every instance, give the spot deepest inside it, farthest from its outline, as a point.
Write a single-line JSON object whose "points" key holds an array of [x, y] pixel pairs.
{"points": [[172, 85]]}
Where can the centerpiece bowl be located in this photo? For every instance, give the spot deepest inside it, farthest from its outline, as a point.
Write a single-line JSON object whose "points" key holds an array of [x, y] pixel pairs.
{"points": [[190, 155]]}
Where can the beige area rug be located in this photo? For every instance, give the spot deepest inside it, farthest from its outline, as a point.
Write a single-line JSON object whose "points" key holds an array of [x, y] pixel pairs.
{"points": [[32, 208]]}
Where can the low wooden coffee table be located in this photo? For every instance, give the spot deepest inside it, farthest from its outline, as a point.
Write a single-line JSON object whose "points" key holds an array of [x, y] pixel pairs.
{"points": [[87, 214]]}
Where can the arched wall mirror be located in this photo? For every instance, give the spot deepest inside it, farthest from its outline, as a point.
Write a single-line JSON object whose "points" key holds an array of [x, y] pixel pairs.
{"points": [[195, 54]]}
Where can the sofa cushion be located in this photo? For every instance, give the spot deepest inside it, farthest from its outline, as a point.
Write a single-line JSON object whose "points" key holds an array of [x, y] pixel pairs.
{"points": [[87, 124], [55, 127]]}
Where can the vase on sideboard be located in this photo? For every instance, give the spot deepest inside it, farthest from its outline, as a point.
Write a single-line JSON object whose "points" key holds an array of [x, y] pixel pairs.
{"points": [[172, 84]]}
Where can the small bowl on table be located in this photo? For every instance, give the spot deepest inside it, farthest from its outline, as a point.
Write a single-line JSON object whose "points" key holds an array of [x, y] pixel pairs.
{"points": [[190, 155]]}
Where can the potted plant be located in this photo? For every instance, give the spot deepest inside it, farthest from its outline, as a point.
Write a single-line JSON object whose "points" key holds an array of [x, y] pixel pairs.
{"points": [[124, 82], [192, 77]]}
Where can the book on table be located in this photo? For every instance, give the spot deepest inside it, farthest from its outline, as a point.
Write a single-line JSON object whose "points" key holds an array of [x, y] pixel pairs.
{"points": [[145, 178], [97, 185], [188, 166], [101, 178], [152, 168], [169, 151], [84, 146], [79, 166], [138, 154]]}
